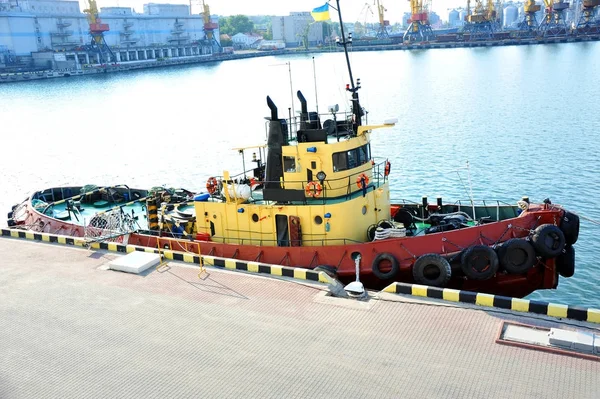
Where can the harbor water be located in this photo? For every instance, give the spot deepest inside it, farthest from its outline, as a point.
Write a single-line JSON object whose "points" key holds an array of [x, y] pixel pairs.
{"points": [[524, 117]]}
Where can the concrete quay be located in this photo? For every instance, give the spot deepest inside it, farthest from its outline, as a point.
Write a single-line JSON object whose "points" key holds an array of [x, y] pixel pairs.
{"points": [[71, 328]]}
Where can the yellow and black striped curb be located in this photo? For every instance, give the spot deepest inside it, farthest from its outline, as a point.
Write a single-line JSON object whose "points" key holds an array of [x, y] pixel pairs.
{"points": [[227, 263], [497, 301]]}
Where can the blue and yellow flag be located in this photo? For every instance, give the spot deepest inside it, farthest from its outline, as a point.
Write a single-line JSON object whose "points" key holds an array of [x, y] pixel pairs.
{"points": [[321, 13]]}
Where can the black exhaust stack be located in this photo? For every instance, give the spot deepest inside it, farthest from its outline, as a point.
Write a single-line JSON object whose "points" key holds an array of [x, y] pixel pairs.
{"points": [[275, 140], [304, 112]]}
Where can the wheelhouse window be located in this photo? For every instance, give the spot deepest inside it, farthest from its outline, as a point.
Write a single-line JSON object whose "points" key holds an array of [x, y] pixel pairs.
{"points": [[351, 159], [289, 164]]}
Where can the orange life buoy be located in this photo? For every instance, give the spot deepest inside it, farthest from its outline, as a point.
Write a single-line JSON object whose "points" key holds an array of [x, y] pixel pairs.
{"points": [[388, 167], [253, 183], [359, 180], [211, 185], [313, 189]]}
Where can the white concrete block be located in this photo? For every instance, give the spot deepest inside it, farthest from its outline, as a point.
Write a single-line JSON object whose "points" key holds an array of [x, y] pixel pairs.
{"points": [[562, 338], [584, 341], [135, 262]]}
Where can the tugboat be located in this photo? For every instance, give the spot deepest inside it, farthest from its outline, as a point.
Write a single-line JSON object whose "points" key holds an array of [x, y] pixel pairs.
{"points": [[317, 198]]}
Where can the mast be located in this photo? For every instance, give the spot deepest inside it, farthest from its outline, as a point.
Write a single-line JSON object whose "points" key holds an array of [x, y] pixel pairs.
{"points": [[352, 88]]}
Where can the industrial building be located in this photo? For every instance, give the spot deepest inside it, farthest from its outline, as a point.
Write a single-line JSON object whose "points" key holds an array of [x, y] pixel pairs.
{"points": [[30, 30], [292, 29]]}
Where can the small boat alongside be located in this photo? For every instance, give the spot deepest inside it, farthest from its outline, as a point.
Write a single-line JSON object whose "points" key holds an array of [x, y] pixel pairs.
{"points": [[316, 197]]}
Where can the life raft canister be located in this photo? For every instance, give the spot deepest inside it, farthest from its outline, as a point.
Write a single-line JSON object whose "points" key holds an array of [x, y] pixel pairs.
{"points": [[516, 256], [313, 189], [432, 269], [383, 258], [211, 185]]}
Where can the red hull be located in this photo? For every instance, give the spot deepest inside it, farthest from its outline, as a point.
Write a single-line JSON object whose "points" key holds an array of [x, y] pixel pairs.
{"points": [[406, 250]]}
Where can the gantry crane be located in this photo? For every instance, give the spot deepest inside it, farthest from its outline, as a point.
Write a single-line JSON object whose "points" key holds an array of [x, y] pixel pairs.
{"points": [[382, 33], [97, 28], [529, 25], [209, 28], [589, 22], [419, 28], [480, 23], [554, 23]]}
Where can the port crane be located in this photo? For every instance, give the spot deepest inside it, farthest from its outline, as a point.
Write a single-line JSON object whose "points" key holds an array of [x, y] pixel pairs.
{"points": [[529, 25], [97, 28], [588, 22], [210, 28], [382, 33], [480, 23], [554, 23], [419, 28]]}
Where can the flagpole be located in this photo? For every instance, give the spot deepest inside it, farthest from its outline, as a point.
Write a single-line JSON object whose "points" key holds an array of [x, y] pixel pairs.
{"points": [[315, 79]]}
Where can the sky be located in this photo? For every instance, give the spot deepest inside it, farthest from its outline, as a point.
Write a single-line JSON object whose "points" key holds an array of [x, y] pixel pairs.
{"points": [[352, 10]]}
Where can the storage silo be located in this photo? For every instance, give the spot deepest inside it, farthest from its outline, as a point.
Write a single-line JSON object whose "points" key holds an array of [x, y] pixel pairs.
{"points": [[461, 16], [453, 17], [511, 15]]}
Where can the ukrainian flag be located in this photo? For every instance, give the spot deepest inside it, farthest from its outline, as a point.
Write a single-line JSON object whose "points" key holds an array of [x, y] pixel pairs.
{"points": [[321, 13]]}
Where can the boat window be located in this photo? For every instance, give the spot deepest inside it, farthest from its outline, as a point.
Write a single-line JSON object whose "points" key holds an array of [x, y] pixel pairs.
{"points": [[289, 164], [351, 159], [339, 162]]}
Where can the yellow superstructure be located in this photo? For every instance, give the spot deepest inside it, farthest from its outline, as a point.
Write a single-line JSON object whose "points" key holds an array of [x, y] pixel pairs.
{"points": [[352, 193]]}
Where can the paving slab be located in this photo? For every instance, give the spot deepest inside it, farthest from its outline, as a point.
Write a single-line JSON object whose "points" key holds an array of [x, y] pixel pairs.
{"points": [[72, 329]]}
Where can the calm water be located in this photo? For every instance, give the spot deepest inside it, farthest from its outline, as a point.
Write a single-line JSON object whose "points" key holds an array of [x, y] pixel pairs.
{"points": [[526, 119]]}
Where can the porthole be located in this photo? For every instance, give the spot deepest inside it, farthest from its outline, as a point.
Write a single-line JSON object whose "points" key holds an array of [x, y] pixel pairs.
{"points": [[254, 217], [318, 219], [364, 210]]}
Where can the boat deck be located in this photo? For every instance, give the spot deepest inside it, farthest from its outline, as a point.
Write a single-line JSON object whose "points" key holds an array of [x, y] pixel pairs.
{"points": [[71, 328]]}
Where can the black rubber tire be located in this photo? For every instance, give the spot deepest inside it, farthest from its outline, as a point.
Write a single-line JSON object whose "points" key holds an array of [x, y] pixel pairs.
{"points": [[565, 262], [569, 225], [14, 207], [405, 217], [329, 270], [516, 256], [10, 215], [433, 270], [479, 262], [375, 266], [548, 240], [371, 232], [11, 223]]}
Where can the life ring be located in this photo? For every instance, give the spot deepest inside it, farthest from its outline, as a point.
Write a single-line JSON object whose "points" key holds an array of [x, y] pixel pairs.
{"points": [[479, 262], [432, 269], [548, 240], [359, 180], [387, 169], [253, 183], [377, 262], [569, 224], [212, 185], [565, 262], [516, 256], [313, 189]]}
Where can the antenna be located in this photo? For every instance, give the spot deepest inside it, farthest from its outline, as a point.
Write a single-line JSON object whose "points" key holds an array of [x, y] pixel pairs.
{"points": [[352, 88], [315, 79]]}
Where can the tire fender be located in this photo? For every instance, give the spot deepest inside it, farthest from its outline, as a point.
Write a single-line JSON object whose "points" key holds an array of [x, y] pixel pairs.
{"points": [[516, 256], [479, 262], [548, 240], [376, 266], [433, 270]]}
